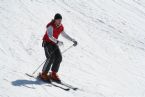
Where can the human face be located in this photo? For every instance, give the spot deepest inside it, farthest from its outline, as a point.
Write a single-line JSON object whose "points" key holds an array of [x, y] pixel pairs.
{"points": [[58, 22]]}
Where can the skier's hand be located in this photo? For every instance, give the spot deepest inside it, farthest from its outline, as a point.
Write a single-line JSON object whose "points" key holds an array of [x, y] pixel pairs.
{"points": [[75, 42], [59, 43]]}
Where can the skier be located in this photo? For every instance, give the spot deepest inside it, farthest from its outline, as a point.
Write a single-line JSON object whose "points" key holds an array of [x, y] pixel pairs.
{"points": [[51, 47]]}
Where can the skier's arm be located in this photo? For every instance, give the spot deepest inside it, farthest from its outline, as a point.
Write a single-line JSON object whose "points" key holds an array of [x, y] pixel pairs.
{"points": [[50, 34], [69, 38], [66, 36]]}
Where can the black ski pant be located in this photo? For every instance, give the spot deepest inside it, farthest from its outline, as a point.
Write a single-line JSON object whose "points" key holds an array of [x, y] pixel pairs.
{"points": [[53, 55]]}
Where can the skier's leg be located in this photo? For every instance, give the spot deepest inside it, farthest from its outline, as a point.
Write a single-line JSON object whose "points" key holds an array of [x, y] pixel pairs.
{"points": [[57, 60], [56, 65], [48, 48], [48, 53]]}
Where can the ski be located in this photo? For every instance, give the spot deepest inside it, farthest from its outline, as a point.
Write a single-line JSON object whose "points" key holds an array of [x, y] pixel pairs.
{"points": [[67, 85], [66, 89], [70, 86], [51, 83]]}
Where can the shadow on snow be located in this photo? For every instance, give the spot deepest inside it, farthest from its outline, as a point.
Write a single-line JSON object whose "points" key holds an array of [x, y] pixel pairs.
{"points": [[26, 83]]}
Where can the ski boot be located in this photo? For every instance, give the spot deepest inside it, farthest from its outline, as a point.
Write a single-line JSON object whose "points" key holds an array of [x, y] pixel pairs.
{"points": [[44, 77], [54, 77]]}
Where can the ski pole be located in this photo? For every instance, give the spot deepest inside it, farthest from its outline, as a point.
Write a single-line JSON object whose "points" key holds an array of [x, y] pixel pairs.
{"points": [[42, 63], [38, 67], [50, 55], [67, 49]]}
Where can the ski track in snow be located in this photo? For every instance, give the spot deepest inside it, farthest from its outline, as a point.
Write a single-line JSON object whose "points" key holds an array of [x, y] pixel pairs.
{"points": [[108, 62]]}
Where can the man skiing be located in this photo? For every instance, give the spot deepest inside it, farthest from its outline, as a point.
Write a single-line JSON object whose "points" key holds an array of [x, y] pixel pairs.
{"points": [[51, 47]]}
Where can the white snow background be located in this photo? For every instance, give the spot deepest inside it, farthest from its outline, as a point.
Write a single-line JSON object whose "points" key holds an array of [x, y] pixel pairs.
{"points": [[109, 60]]}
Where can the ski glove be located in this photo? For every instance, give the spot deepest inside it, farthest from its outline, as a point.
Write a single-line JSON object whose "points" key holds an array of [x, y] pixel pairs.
{"points": [[75, 43], [59, 43]]}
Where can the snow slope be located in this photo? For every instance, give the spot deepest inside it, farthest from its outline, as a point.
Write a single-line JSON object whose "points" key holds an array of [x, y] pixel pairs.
{"points": [[108, 62]]}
